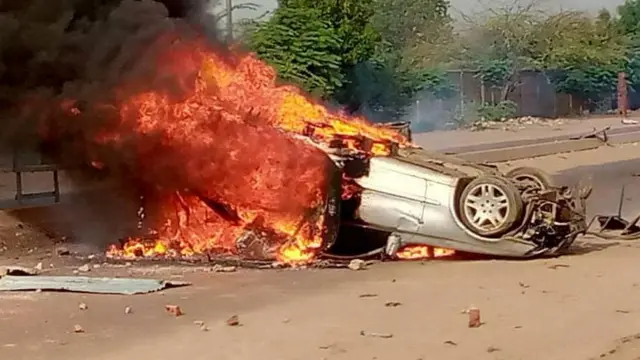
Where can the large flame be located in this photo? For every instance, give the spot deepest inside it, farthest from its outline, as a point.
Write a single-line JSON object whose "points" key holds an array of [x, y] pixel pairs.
{"points": [[214, 139]]}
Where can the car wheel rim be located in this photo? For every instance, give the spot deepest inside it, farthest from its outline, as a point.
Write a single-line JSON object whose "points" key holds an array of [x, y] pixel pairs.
{"points": [[487, 207]]}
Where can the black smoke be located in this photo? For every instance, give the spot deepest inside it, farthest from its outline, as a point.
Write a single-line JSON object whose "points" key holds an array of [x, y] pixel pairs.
{"points": [[51, 49]]}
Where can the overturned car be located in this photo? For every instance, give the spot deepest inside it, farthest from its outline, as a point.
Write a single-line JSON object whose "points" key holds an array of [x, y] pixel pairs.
{"points": [[403, 198], [417, 197]]}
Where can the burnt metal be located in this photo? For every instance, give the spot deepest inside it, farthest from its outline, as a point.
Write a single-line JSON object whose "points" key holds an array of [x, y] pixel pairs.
{"points": [[608, 223], [308, 130], [356, 167], [394, 149], [226, 261], [254, 244], [225, 211], [600, 134], [403, 127], [336, 144], [365, 144]]}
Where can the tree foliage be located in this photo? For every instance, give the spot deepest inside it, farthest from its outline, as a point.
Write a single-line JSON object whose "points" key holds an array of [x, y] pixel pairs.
{"points": [[350, 19], [580, 53], [410, 32], [303, 48], [419, 29], [628, 20]]}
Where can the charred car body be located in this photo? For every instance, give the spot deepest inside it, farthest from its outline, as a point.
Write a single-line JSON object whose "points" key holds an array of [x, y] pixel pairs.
{"points": [[417, 197]]}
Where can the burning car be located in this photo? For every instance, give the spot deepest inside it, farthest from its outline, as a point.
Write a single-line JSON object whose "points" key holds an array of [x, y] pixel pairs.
{"points": [[230, 162], [425, 199]]}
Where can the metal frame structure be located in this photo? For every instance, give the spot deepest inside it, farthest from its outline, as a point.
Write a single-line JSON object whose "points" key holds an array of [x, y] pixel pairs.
{"points": [[32, 199]]}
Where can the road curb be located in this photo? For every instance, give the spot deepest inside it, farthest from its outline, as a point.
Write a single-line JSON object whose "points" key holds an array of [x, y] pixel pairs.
{"points": [[523, 149]]}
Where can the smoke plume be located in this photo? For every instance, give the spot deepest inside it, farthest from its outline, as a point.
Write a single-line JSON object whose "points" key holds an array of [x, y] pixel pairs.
{"points": [[105, 62]]}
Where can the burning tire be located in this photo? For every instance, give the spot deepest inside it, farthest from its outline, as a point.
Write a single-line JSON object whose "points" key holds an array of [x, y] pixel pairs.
{"points": [[490, 206], [531, 178]]}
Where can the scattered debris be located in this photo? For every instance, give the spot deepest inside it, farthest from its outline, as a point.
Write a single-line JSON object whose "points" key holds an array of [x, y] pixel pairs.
{"points": [[234, 320], [378, 335], [367, 295], [127, 310], [357, 264], [96, 266], [174, 310], [557, 266], [474, 317], [77, 329], [523, 285], [84, 268], [513, 124], [392, 304], [123, 286], [223, 269], [63, 251], [38, 266], [202, 325], [83, 306], [334, 348], [452, 343], [17, 270], [492, 349], [625, 121]]}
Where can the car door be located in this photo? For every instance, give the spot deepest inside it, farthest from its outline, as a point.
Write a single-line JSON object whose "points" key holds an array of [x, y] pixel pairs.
{"points": [[393, 196]]}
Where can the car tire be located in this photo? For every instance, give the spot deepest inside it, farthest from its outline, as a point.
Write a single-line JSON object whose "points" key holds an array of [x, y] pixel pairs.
{"points": [[528, 176], [490, 206]]}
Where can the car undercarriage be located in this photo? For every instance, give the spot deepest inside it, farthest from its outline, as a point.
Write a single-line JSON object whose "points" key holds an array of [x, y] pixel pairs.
{"points": [[417, 197]]}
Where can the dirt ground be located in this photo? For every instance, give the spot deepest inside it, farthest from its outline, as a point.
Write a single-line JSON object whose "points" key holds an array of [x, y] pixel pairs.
{"points": [[438, 140], [582, 306]]}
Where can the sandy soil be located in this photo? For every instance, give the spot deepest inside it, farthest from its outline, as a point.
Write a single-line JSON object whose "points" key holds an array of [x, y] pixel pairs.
{"points": [[579, 307]]}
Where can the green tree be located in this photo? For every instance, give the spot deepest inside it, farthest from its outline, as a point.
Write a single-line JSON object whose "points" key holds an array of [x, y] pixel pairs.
{"points": [[302, 47], [319, 44], [581, 54], [627, 22], [628, 19], [409, 31], [585, 53], [499, 44], [419, 29], [351, 21]]}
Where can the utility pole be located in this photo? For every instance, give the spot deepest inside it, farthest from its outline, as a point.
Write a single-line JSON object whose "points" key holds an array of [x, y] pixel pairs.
{"points": [[229, 8]]}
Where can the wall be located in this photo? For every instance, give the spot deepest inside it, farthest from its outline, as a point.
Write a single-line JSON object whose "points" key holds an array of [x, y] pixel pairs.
{"points": [[534, 95]]}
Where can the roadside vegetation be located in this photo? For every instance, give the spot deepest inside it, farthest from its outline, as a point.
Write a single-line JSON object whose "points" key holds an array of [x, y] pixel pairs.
{"points": [[371, 57]]}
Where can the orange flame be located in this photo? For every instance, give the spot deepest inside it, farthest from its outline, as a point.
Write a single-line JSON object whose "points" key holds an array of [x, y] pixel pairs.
{"points": [[221, 132], [414, 252]]}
